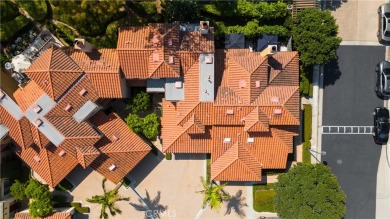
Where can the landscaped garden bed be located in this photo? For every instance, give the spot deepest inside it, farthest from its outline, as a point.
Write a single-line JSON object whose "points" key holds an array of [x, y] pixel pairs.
{"points": [[263, 197], [307, 117]]}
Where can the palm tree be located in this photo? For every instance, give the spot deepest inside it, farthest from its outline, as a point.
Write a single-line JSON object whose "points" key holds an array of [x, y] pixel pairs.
{"points": [[213, 194], [108, 199]]}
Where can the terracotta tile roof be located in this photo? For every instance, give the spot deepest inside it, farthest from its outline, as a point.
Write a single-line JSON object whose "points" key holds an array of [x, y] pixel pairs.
{"points": [[144, 52], [46, 160], [194, 41], [120, 147], [86, 155], [237, 157], [102, 68], [54, 72], [19, 131], [28, 95], [251, 124], [284, 68], [74, 99], [55, 215]]}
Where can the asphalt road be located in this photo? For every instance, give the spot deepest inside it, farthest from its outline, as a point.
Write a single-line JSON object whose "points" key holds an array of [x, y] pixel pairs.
{"points": [[349, 100]]}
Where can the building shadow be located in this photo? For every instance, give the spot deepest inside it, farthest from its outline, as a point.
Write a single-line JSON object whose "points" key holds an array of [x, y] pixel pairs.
{"points": [[236, 203], [78, 174], [80, 216], [144, 168], [179, 156], [153, 208], [331, 72]]}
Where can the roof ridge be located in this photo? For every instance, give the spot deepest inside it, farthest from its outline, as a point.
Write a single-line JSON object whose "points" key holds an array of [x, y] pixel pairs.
{"points": [[181, 122], [284, 66]]}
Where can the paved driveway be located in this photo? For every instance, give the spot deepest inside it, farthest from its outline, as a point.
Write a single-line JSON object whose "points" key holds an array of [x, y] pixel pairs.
{"points": [[357, 19], [349, 99]]}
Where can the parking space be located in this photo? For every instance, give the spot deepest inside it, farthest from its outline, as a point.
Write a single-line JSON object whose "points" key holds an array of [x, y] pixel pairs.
{"points": [[348, 102], [357, 19]]}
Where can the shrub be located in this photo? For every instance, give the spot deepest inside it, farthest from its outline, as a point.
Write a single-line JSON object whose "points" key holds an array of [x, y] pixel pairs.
{"points": [[263, 197], [126, 182], [66, 33], [36, 190], [306, 157], [40, 207], [134, 122], [168, 156], [307, 116], [37, 9], [9, 29], [78, 208], [262, 10], [149, 7], [140, 103], [17, 190], [181, 10], [151, 126]]}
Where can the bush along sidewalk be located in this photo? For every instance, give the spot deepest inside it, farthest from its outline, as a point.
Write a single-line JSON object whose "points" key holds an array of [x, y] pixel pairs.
{"points": [[307, 117]]}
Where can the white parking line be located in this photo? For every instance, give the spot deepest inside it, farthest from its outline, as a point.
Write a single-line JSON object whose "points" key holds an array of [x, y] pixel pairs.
{"points": [[355, 130]]}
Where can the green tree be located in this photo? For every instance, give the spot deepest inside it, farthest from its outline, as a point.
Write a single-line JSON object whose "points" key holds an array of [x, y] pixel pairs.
{"points": [[181, 10], [40, 207], [37, 9], [17, 190], [213, 194], [90, 18], [108, 200], [309, 191], [151, 126], [134, 122], [140, 103], [36, 190], [9, 11], [261, 9], [315, 36]]}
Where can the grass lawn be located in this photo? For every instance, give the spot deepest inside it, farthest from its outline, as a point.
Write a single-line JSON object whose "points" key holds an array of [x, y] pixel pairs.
{"points": [[263, 197]]}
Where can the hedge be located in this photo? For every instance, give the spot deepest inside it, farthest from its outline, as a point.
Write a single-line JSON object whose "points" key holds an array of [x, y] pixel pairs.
{"points": [[307, 125], [168, 156], [9, 29], [77, 206]]}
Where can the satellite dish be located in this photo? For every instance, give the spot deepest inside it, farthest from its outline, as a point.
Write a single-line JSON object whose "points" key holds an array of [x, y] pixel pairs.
{"points": [[8, 66], [289, 7]]}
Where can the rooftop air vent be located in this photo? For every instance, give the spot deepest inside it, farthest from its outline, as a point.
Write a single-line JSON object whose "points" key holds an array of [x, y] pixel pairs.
{"points": [[114, 138], [242, 84], [257, 83], [83, 92], [170, 41], [81, 44], [2, 95], [171, 60], [209, 60], [251, 140], [229, 112], [62, 153], [204, 27], [179, 84], [156, 57], [36, 158], [272, 49], [275, 99], [277, 111], [68, 107], [226, 140], [112, 167], [37, 109], [38, 122]]}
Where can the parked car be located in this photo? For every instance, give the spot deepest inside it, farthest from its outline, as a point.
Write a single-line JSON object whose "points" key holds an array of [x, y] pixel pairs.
{"points": [[382, 86], [381, 125], [383, 33]]}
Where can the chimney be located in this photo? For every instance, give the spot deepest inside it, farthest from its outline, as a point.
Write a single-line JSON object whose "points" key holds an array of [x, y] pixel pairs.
{"points": [[204, 27], [83, 45]]}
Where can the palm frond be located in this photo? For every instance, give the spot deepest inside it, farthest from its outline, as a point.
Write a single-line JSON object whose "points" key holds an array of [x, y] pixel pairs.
{"points": [[103, 185]]}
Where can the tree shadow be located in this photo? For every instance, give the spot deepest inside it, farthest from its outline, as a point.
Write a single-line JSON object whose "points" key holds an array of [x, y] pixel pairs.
{"points": [[333, 5], [237, 203], [153, 208], [331, 72]]}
